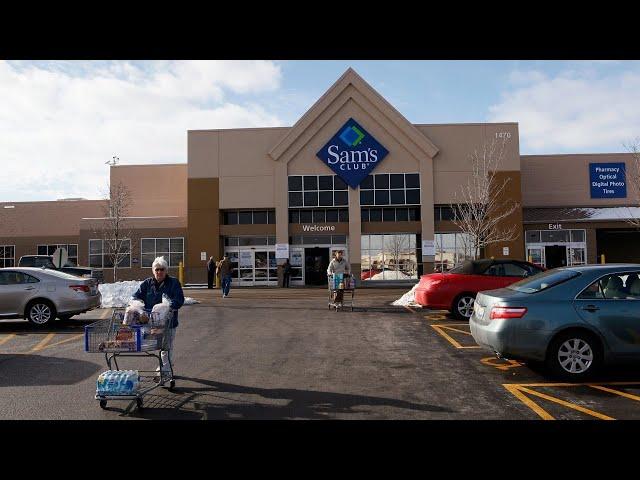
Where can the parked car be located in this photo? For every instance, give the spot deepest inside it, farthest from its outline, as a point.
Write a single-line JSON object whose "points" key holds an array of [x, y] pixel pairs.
{"points": [[573, 318], [46, 261], [40, 295], [456, 289]]}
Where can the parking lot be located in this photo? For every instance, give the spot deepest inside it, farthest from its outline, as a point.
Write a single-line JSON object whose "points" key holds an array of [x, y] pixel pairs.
{"points": [[281, 354]]}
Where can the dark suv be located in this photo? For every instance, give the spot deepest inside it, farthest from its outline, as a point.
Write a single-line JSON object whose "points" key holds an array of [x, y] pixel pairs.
{"points": [[46, 261]]}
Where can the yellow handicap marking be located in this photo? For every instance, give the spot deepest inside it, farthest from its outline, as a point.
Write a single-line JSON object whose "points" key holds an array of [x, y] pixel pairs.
{"points": [[7, 338], [450, 326], [501, 364], [519, 391], [45, 342]]}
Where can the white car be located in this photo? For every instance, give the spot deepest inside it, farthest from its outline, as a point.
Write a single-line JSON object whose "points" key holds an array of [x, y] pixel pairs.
{"points": [[40, 295]]}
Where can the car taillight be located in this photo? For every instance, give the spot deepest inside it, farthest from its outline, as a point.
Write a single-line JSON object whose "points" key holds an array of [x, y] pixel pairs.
{"points": [[507, 312], [80, 288]]}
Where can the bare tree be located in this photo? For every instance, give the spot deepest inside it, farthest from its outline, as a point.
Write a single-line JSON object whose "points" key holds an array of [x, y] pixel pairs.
{"points": [[632, 179], [114, 230], [398, 246], [481, 205]]}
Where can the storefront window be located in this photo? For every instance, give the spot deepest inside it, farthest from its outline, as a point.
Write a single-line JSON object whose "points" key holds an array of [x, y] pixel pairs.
{"points": [[389, 257], [317, 191], [452, 249]]}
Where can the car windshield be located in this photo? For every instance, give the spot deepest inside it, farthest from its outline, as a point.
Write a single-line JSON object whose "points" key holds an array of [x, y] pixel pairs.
{"points": [[542, 281]]}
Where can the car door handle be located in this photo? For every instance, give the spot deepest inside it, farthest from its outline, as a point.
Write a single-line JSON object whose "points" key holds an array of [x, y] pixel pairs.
{"points": [[30, 288], [591, 308]]}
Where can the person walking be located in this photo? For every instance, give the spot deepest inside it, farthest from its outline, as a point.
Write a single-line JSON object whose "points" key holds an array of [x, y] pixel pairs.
{"points": [[286, 272], [338, 265], [151, 291], [211, 272], [225, 269]]}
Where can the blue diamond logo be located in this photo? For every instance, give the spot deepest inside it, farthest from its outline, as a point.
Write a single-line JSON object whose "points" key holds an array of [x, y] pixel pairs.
{"points": [[352, 153]]}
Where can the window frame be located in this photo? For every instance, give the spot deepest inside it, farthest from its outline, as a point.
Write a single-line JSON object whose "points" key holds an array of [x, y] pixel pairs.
{"points": [[312, 194], [377, 191], [599, 279], [102, 254], [4, 258]]}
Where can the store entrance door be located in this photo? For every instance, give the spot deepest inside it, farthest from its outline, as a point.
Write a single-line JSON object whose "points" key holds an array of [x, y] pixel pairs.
{"points": [[315, 266], [555, 256]]}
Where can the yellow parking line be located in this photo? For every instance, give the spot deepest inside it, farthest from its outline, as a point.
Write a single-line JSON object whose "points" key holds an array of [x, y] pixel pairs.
{"points": [[616, 392], [439, 329], [500, 366], [515, 391], [70, 339], [549, 398], [409, 308], [43, 342], [455, 329], [572, 384], [7, 338]]}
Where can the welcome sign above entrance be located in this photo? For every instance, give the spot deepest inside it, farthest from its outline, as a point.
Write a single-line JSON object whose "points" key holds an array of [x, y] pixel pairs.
{"points": [[352, 153]]}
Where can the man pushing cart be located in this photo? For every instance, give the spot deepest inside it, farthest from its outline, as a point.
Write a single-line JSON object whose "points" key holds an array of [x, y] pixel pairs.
{"points": [[340, 281]]}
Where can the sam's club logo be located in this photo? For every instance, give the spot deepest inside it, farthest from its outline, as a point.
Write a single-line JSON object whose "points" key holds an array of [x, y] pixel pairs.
{"points": [[352, 153]]}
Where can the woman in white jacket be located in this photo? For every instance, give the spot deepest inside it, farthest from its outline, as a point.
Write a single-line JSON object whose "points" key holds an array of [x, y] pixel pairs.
{"points": [[338, 265]]}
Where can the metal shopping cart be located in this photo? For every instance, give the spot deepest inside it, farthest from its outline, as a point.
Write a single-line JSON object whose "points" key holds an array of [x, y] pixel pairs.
{"points": [[115, 340], [344, 283]]}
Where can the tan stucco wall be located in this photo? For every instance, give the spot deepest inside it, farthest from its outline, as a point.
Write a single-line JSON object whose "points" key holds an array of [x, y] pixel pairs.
{"points": [[563, 180], [451, 166], [156, 190], [47, 219]]}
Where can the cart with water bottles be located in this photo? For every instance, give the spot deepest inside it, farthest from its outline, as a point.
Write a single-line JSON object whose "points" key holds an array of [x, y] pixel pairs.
{"points": [[341, 282], [115, 339]]}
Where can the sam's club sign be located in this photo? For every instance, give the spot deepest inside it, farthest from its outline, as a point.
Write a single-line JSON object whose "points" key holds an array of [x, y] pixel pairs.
{"points": [[607, 180], [352, 153]]}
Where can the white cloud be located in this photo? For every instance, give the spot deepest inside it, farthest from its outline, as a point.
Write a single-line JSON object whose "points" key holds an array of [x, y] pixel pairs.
{"points": [[578, 110], [61, 121]]}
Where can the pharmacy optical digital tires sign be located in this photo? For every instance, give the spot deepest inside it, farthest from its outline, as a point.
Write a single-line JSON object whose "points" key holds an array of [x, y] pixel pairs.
{"points": [[607, 180], [352, 153]]}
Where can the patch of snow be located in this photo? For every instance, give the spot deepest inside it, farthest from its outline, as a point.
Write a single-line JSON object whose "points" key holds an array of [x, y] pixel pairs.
{"points": [[391, 275], [612, 213], [408, 299], [118, 294]]}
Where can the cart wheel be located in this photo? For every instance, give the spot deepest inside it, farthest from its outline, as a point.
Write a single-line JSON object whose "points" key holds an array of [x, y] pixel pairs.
{"points": [[172, 385], [139, 403], [103, 404]]}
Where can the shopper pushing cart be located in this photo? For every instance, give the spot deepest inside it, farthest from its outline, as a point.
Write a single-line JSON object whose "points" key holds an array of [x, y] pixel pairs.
{"points": [[148, 330], [338, 266]]}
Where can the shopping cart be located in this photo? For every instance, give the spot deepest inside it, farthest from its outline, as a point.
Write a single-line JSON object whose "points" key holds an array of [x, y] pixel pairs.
{"points": [[115, 340], [345, 283]]}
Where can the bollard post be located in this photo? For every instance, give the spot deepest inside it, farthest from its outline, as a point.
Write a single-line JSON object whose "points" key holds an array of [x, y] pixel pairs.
{"points": [[602, 258], [181, 273]]}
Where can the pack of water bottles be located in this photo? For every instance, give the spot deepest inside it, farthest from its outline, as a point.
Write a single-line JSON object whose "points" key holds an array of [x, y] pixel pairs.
{"points": [[118, 382]]}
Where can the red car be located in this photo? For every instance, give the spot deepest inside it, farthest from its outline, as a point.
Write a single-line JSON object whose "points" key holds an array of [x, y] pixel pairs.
{"points": [[456, 289]]}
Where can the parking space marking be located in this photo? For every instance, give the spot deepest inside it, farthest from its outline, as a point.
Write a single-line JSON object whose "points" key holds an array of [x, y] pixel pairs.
{"points": [[105, 314], [407, 307], [519, 390], [437, 317], [506, 365], [441, 330], [616, 392], [70, 339], [42, 343], [7, 338]]}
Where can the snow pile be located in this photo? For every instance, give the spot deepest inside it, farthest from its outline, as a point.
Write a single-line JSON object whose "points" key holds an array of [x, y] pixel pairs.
{"points": [[118, 294], [408, 299], [611, 213], [391, 275]]}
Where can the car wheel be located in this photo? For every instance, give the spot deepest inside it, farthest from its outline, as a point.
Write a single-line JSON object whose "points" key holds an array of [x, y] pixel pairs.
{"points": [[463, 306], [574, 355], [41, 313]]}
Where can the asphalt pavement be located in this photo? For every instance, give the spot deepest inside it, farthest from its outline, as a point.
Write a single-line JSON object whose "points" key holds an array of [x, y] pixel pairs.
{"points": [[282, 354]]}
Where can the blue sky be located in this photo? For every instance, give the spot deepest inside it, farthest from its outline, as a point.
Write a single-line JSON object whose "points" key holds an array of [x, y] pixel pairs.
{"points": [[61, 121]]}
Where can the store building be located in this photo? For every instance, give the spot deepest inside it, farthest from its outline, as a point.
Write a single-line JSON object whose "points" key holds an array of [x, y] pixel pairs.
{"points": [[352, 174]]}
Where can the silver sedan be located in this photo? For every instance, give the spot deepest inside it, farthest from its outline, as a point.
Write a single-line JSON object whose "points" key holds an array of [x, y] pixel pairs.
{"points": [[41, 295], [574, 318]]}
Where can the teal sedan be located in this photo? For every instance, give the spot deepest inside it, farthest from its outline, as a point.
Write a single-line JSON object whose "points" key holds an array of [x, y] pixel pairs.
{"points": [[575, 319]]}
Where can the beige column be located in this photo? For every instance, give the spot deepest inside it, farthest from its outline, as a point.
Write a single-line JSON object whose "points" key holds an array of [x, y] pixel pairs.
{"points": [[426, 210], [282, 209], [355, 232]]}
